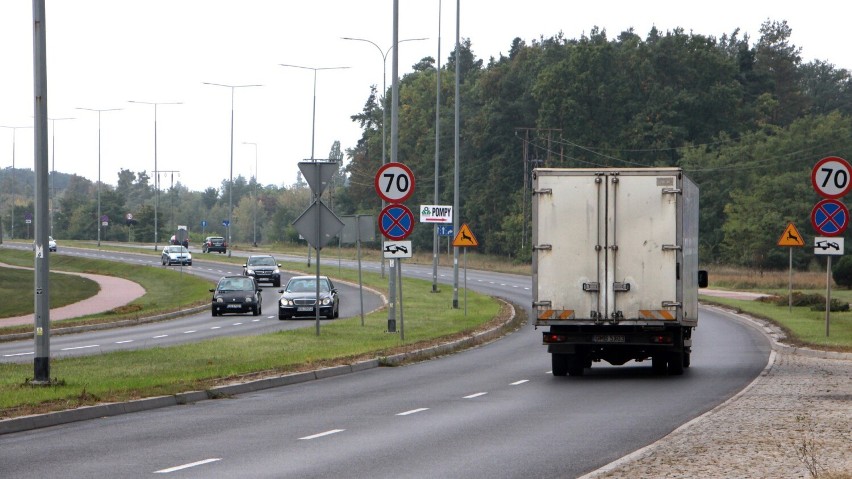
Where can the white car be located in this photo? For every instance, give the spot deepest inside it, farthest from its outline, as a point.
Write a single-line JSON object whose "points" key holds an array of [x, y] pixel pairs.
{"points": [[51, 244], [176, 254]]}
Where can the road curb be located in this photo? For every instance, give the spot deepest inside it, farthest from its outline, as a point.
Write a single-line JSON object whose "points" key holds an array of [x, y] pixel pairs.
{"points": [[36, 421]]}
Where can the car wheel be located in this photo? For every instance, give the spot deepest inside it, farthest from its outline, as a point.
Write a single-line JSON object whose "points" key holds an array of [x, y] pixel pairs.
{"points": [[282, 317], [276, 283], [337, 312], [255, 311], [215, 313]]}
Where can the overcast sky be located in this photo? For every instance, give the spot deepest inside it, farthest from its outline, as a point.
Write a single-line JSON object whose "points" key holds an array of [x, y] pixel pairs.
{"points": [[103, 53]]}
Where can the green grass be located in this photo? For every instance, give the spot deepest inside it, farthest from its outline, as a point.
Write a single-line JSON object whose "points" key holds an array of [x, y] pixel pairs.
{"points": [[132, 374], [17, 288], [166, 289]]}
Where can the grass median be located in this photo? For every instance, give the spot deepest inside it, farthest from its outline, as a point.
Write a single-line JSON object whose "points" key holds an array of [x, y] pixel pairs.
{"points": [[428, 318]]}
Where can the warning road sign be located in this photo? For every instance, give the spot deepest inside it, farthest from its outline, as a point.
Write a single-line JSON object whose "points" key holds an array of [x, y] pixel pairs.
{"points": [[465, 237], [791, 237]]}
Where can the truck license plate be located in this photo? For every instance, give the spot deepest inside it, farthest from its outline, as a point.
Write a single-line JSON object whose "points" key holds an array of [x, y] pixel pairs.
{"points": [[608, 338]]}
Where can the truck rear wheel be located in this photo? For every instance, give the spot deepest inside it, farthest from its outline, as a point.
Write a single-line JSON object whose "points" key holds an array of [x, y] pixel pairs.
{"points": [[559, 363], [676, 360]]}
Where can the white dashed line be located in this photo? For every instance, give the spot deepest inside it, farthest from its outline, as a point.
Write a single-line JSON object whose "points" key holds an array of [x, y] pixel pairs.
{"points": [[161, 336], [189, 332], [519, 382], [124, 342], [475, 395], [216, 327], [81, 347], [18, 354], [187, 466], [236, 324], [322, 434], [413, 411]]}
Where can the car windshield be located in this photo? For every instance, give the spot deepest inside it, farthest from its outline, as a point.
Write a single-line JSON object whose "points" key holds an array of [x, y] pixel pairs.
{"points": [[236, 284], [262, 261], [306, 285], [178, 249]]}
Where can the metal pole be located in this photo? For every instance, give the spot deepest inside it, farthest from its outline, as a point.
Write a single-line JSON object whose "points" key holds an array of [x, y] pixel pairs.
{"points": [[99, 111], [437, 152], [156, 171], [360, 281], [401, 315], [254, 241], [827, 294], [456, 211], [41, 362], [394, 151], [790, 284], [53, 170], [231, 178]]}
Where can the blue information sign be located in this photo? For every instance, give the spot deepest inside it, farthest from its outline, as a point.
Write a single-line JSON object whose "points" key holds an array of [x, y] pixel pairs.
{"points": [[445, 230]]}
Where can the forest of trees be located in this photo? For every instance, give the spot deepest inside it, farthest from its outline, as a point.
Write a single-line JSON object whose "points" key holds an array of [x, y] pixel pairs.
{"points": [[746, 120]]}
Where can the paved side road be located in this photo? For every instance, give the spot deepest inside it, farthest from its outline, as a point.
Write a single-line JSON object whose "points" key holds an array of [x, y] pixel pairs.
{"points": [[114, 292], [801, 402]]}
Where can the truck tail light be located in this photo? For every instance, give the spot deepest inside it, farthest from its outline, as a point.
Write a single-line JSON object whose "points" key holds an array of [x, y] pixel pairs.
{"points": [[550, 338]]}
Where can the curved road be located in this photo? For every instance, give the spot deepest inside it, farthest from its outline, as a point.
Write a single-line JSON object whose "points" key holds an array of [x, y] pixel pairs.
{"points": [[492, 411]]}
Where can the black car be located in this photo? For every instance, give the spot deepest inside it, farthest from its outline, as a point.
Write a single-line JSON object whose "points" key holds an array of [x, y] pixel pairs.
{"points": [[237, 294], [214, 243], [299, 298], [263, 267]]}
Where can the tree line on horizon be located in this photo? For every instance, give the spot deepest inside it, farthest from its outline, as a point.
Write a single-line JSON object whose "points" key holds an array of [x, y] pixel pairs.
{"points": [[746, 121]]}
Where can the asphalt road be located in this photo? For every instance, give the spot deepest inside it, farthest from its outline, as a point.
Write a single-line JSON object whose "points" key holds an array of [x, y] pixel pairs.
{"points": [[195, 327], [492, 411]]}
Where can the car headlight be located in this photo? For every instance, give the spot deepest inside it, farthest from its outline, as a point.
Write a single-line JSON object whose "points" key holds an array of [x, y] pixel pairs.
{"points": [[326, 301], [219, 299], [249, 299], [286, 302]]}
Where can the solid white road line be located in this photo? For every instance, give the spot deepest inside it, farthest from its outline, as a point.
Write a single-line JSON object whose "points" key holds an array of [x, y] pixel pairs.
{"points": [[187, 466], [322, 434]]}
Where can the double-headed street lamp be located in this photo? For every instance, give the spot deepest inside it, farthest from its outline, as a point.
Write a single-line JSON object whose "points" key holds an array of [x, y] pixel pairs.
{"points": [[156, 174], [384, 54], [314, 115], [14, 135], [99, 111], [255, 191], [231, 177]]}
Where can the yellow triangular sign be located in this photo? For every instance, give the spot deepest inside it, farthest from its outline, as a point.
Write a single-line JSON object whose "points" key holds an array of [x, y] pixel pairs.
{"points": [[465, 237], [791, 237]]}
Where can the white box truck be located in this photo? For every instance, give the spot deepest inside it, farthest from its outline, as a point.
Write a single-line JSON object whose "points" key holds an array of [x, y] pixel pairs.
{"points": [[615, 266]]}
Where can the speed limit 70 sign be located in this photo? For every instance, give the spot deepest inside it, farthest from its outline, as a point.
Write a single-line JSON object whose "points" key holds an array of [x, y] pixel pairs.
{"points": [[832, 177], [394, 182]]}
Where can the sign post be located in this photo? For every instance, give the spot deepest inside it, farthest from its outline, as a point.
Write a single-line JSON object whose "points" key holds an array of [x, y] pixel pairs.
{"points": [[790, 238], [830, 178], [464, 239], [394, 183]]}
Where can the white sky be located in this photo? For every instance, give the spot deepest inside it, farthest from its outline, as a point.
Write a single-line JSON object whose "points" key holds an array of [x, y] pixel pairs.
{"points": [[103, 53]]}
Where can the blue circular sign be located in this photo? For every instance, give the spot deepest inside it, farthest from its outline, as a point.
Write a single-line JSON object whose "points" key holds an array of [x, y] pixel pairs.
{"points": [[396, 222], [830, 217]]}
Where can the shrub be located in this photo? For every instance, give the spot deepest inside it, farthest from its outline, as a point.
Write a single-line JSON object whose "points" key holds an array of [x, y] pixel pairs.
{"points": [[842, 272]]}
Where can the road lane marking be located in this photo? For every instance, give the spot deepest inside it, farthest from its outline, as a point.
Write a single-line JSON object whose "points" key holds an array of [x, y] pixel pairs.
{"points": [[322, 434], [236, 324], [519, 382], [81, 347], [161, 336], [124, 342], [187, 466], [216, 327], [474, 395], [189, 332], [413, 411], [18, 354]]}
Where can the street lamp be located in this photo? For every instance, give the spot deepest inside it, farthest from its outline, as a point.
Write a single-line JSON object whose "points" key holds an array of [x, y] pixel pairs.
{"points": [[14, 135], [231, 178], [314, 120], [255, 190], [384, 54], [156, 176], [99, 111], [53, 169]]}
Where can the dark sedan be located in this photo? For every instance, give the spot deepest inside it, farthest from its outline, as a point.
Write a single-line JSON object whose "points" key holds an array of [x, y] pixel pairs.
{"points": [[299, 298], [237, 294]]}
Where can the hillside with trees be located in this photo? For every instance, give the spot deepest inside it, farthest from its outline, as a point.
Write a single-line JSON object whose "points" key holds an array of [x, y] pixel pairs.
{"points": [[746, 120]]}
